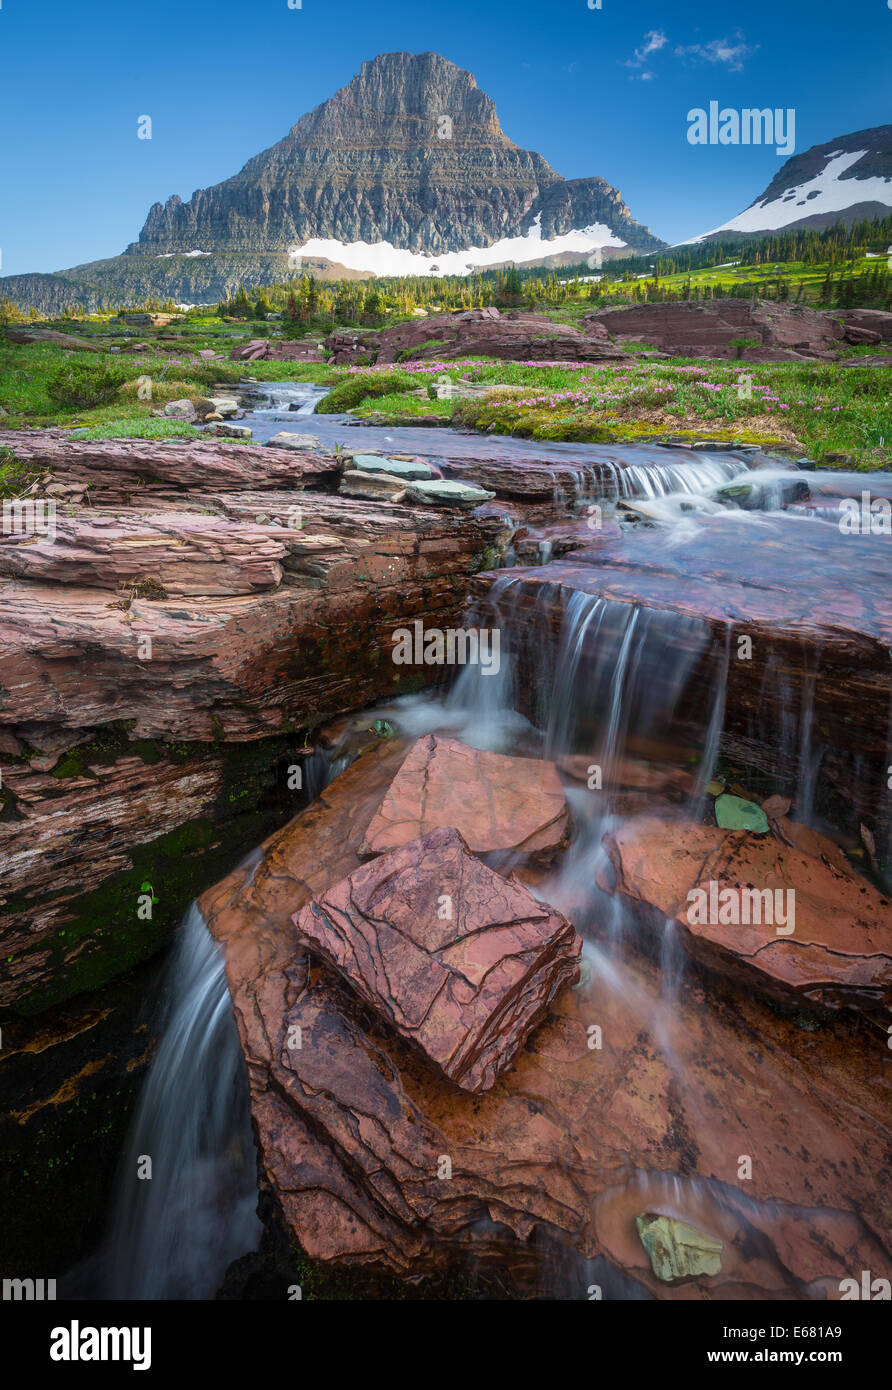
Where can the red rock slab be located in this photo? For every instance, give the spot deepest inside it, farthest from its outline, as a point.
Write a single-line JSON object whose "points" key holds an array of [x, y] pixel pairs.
{"points": [[461, 961], [840, 949], [243, 665], [570, 1144], [120, 469], [496, 802], [184, 552]]}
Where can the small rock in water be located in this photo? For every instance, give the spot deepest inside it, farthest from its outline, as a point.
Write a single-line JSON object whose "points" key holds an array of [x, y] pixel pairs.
{"points": [[677, 1251], [733, 813], [227, 431], [293, 441], [442, 493]]}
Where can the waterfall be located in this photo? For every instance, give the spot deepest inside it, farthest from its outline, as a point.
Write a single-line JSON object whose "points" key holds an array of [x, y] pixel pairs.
{"points": [[173, 1235]]}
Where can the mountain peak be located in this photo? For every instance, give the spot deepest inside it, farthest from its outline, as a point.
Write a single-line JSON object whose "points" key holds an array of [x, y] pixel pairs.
{"points": [[409, 153]]}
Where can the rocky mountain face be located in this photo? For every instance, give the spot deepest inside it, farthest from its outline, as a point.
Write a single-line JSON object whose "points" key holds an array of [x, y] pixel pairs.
{"points": [[844, 180], [409, 152]]}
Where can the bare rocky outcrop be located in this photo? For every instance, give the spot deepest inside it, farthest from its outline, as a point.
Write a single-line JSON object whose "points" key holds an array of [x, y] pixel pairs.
{"points": [[513, 336], [163, 660], [461, 962], [799, 925], [555, 1163]]}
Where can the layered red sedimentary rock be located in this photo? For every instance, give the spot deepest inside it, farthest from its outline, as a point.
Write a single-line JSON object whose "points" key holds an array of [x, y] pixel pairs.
{"points": [[580, 1136], [497, 802], [121, 470], [233, 607], [786, 622], [461, 962], [479, 332], [801, 925]]}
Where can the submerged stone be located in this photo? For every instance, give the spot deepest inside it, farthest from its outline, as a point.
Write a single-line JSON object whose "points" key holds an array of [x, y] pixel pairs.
{"points": [[677, 1251], [734, 813]]}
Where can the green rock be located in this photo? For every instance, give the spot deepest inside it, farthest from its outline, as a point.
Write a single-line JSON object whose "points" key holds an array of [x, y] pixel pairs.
{"points": [[733, 813], [677, 1251], [442, 493], [373, 463]]}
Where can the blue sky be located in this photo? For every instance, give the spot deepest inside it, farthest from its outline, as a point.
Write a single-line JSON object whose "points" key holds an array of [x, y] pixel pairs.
{"points": [[596, 92]]}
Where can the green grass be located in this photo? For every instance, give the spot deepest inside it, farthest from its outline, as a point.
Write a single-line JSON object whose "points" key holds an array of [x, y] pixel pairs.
{"points": [[361, 385], [27, 370], [822, 407]]}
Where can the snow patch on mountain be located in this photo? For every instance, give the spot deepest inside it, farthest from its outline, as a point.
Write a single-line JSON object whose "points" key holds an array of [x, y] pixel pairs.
{"points": [[826, 192], [383, 258]]}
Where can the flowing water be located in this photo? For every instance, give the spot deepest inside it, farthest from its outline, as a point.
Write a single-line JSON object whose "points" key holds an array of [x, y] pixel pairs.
{"points": [[625, 686], [175, 1228]]}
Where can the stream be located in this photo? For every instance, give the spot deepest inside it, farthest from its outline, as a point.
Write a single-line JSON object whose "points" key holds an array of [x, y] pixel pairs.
{"points": [[586, 674]]}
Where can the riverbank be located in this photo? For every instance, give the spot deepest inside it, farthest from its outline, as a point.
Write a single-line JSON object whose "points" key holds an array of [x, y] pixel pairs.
{"points": [[836, 414]]}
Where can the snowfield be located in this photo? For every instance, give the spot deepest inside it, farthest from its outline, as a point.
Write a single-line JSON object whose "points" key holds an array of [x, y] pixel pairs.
{"points": [[826, 192]]}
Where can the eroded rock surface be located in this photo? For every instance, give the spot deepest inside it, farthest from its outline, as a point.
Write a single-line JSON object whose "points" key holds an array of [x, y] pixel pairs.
{"points": [[460, 961], [808, 928], [496, 802], [557, 1160]]}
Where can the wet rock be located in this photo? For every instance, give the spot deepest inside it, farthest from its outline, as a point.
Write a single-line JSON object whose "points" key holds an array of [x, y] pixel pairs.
{"points": [[461, 962], [807, 598], [284, 440], [372, 486], [678, 1251], [439, 492], [787, 921], [555, 1162], [400, 468], [735, 813], [496, 802]]}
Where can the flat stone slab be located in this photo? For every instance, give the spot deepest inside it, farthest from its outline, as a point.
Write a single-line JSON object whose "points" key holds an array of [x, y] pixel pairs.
{"points": [[400, 468], [460, 961], [441, 492], [839, 951], [496, 802], [286, 440], [372, 486]]}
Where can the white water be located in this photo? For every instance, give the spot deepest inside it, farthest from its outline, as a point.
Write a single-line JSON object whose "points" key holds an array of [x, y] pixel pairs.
{"points": [[172, 1236]]}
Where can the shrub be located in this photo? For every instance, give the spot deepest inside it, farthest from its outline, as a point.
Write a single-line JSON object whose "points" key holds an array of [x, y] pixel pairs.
{"points": [[355, 388], [78, 385]]}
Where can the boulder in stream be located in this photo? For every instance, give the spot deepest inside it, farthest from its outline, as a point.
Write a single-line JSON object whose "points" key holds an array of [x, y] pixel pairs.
{"points": [[460, 961], [497, 802]]}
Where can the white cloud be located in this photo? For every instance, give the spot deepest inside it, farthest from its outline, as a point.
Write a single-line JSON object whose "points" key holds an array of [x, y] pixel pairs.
{"points": [[654, 40], [732, 55]]}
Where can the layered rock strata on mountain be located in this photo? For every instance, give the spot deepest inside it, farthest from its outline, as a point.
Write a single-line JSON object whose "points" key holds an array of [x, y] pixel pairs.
{"points": [[461, 962], [552, 1165], [409, 152]]}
